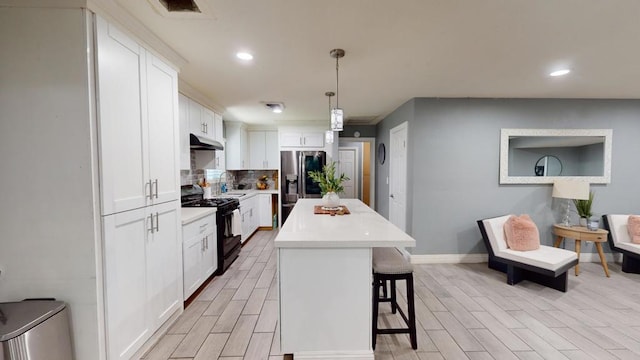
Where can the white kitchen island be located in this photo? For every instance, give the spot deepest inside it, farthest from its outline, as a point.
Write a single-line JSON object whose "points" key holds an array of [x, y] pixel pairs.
{"points": [[324, 279]]}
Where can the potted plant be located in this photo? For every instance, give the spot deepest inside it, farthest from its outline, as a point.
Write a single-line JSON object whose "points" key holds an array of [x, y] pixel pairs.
{"points": [[330, 185], [584, 209]]}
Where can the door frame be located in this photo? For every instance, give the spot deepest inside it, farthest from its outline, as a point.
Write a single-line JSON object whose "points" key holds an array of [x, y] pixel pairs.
{"points": [[372, 164], [357, 167], [401, 177]]}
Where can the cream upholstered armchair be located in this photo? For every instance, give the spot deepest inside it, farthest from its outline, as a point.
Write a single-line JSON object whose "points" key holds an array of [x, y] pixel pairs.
{"points": [[620, 241], [546, 265]]}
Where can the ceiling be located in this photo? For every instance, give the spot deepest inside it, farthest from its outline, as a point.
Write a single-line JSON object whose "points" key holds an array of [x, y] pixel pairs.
{"points": [[397, 50]]}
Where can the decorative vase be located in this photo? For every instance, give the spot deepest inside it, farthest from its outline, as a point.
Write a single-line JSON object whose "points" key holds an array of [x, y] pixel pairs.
{"points": [[330, 200], [583, 222]]}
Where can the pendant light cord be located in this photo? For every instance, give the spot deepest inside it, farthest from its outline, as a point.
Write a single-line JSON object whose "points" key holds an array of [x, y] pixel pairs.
{"points": [[337, 86]]}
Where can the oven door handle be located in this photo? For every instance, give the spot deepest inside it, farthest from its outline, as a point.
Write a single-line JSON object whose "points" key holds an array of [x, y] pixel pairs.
{"points": [[227, 213]]}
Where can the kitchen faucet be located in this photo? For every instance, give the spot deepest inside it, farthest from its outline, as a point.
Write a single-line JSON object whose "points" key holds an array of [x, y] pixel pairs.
{"points": [[219, 190]]}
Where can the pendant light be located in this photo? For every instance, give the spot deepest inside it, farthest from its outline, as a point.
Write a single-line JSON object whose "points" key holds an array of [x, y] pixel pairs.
{"points": [[328, 135], [337, 115]]}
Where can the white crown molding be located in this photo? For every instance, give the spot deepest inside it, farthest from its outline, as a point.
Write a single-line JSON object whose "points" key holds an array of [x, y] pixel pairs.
{"points": [[113, 12], [189, 91]]}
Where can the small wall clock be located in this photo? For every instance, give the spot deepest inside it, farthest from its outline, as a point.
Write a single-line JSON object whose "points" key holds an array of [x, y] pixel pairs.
{"points": [[382, 153]]}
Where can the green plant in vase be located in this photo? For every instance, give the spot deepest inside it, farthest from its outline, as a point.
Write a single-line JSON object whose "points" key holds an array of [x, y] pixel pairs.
{"points": [[329, 184], [583, 207]]}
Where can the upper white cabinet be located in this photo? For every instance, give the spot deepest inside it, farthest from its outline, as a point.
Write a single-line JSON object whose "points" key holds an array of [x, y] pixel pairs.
{"points": [[185, 148], [138, 127], [203, 121], [302, 139], [237, 146], [263, 149]]}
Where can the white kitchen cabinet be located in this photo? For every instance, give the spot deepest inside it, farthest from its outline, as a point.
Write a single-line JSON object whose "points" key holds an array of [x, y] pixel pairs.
{"points": [[138, 124], [185, 147], [249, 216], [219, 127], [313, 139], [199, 253], [201, 120], [220, 158], [264, 209], [237, 146], [143, 274], [263, 149]]}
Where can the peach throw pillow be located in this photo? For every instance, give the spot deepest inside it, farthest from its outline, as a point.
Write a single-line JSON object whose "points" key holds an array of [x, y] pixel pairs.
{"points": [[633, 226], [521, 233]]}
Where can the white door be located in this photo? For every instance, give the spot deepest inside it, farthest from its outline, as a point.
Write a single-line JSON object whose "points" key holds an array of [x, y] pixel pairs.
{"points": [[162, 104], [125, 242], [348, 165], [185, 151], [164, 263], [256, 150], [121, 110], [398, 176], [271, 149]]}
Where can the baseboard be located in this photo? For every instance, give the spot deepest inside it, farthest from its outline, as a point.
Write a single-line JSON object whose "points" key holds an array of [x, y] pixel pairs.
{"points": [[449, 258], [480, 258], [330, 355]]}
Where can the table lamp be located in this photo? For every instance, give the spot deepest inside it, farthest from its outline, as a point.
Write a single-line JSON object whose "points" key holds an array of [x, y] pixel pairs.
{"points": [[570, 190]]}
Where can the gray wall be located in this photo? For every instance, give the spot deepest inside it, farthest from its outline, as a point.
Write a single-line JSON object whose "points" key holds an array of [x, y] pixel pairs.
{"points": [[365, 131], [454, 147]]}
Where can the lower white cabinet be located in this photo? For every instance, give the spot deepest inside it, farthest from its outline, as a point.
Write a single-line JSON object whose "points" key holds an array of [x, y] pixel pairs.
{"points": [[143, 274], [264, 208], [249, 217], [199, 251]]}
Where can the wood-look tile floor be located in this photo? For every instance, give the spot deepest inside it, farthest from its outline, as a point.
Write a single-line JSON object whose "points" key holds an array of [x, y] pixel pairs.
{"points": [[464, 311]]}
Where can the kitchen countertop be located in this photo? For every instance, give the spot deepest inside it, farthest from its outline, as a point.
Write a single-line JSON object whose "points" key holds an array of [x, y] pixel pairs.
{"points": [[192, 214], [362, 228]]}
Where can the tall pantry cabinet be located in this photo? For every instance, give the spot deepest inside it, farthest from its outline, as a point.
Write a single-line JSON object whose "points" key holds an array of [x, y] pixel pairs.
{"points": [[138, 127], [101, 228]]}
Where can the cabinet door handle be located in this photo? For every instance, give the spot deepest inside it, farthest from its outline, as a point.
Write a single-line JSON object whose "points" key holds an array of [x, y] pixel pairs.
{"points": [[151, 229], [157, 222], [155, 185], [150, 185], [202, 245], [304, 141]]}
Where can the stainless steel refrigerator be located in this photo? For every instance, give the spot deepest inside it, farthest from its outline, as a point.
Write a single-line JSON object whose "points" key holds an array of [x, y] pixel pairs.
{"points": [[295, 182]]}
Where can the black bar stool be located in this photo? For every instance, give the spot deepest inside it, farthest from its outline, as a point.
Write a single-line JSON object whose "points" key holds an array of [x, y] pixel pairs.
{"points": [[390, 265]]}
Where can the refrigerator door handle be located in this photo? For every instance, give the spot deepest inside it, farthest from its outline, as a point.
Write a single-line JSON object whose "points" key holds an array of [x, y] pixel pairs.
{"points": [[302, 182]]}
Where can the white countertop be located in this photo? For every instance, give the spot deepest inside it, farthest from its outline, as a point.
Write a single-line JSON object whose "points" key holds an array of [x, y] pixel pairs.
{"points": [[193, 214], [362, 228]]}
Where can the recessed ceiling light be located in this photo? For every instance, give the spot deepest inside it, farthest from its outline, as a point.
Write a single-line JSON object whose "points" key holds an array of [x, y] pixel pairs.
{"points": [[244, 56], [560, 72]]}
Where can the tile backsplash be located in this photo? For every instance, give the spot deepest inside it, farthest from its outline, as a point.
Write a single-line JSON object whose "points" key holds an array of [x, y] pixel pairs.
{"points": [[233, 178]]}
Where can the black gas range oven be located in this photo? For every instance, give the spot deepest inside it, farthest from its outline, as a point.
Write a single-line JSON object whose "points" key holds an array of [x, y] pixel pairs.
{"points": [[228, 243]]}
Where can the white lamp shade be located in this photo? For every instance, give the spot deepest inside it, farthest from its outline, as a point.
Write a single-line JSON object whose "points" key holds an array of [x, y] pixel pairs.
{"points": [[328, 136], [337, 119], [570, 189]]}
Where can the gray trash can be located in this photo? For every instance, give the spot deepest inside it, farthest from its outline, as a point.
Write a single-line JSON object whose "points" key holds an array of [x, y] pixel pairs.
{"points": [[35, 330]]}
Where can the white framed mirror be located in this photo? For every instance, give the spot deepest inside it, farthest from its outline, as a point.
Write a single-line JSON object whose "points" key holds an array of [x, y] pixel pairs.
{"points": [[539, 156]]}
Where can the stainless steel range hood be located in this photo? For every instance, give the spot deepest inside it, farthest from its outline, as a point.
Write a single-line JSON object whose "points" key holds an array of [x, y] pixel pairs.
{"points": [[200, 143]]}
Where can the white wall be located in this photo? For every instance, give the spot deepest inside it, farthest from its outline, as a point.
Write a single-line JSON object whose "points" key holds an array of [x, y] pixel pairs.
{"points": [[47, 213]]}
